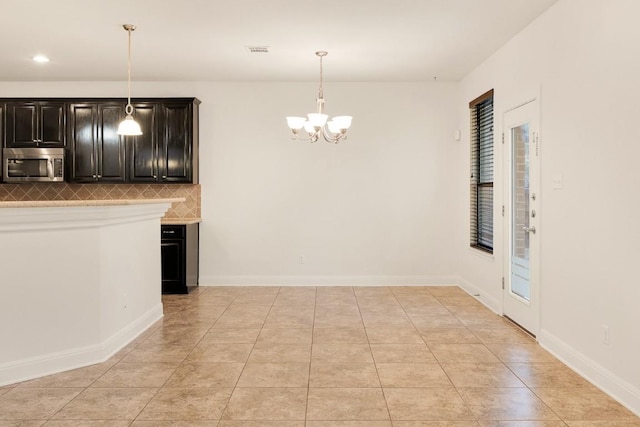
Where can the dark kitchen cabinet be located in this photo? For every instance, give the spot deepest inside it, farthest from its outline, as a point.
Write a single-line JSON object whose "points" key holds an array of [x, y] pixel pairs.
{"points": [[2, 109], [176, 141], [180, 258], [143, 149], [97, 151], [35, 124], [166, 152], [167, 149]]}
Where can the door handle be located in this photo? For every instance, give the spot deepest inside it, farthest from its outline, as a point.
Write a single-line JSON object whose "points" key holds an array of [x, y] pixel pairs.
{"points": [[531, 229]]}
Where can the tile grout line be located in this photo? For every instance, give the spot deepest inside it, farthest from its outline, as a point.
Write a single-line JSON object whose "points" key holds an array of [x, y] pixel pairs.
{"points": [[506, 366], [434, 356], [313, 326], [235, 386], [375, 365], [51, 417], [184, 360]]}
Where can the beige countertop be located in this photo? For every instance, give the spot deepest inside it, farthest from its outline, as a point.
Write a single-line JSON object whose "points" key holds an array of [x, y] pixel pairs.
{"points": [[66, 203], [180, 221]]}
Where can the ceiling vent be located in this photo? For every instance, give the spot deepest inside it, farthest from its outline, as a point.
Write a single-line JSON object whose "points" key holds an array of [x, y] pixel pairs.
{"points": [[257, 49]]}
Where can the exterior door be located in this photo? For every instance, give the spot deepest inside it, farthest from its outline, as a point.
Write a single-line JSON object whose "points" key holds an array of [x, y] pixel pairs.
{"points": [[522, 216]]}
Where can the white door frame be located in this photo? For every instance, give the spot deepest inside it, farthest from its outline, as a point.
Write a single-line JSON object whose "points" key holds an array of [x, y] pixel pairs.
{"points": [[534, 267]]}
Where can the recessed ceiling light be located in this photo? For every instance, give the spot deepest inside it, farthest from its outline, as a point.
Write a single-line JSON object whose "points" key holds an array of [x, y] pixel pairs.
{"points": [[40, 58]]}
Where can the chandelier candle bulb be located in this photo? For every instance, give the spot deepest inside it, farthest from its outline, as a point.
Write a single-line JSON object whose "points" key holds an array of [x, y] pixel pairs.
{"points": [[318, 123]]}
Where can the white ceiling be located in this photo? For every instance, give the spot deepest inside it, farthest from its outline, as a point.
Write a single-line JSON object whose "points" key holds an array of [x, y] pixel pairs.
{"points": [[204, 40]]}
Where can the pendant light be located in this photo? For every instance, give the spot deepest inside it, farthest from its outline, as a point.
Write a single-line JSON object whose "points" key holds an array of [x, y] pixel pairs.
{"points": [[129, 126]]}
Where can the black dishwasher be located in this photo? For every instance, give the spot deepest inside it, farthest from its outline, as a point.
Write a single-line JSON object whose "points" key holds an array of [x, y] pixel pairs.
{"points": [[180, 258]]}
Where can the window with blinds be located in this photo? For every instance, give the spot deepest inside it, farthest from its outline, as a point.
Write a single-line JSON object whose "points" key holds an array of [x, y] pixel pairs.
{"points": [[482, 172]]}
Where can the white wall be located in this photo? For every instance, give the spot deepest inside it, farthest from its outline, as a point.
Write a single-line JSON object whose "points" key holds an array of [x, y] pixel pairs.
{"points": [[583, 56], [374, 209]]}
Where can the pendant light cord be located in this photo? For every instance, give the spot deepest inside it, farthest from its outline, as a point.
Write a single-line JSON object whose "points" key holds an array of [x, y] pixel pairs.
{"points": [[129, 107], [129, 69]]}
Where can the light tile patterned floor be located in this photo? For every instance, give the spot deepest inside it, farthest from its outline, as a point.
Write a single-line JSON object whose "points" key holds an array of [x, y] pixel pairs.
{"points": [[320, 357]]}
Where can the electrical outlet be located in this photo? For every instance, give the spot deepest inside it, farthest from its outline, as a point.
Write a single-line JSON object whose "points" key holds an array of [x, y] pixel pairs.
{"points": [[301, 259], [606, 337]]}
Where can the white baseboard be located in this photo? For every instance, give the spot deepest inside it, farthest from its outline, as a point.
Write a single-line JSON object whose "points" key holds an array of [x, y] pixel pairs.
{"points": [[124, 336], [489, 301], [605, 380], [53, 363], [327, 280]]}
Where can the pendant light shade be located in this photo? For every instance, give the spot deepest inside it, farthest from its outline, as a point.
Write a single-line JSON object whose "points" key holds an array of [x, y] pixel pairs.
{"points": [[129, 126]]}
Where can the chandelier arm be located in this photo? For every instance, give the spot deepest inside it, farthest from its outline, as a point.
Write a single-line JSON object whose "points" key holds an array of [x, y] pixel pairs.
{"points": [[334, 138], [312, 137]]}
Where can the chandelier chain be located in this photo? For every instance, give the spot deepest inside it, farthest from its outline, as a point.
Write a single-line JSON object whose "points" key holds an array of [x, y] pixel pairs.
{"points": [[321, 91]]}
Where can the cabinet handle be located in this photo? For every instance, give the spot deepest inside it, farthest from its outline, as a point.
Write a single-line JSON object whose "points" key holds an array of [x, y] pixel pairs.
{"points": [[155, 176], [99, 176], [164, 176], [95, 176]]}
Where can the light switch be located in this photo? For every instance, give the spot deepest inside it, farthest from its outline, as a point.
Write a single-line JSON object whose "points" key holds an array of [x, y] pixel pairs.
{"points": [[556, 182]]}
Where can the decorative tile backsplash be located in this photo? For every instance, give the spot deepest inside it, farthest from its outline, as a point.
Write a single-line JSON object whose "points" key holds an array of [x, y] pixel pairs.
{"points": [[190, 208]]}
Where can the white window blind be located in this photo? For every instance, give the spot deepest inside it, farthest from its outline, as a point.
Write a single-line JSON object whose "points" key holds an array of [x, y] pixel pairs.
{"points": [[481, 187]]}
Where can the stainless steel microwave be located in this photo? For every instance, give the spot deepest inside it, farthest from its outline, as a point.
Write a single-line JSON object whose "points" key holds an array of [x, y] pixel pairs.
{"points": [[33, 164]]}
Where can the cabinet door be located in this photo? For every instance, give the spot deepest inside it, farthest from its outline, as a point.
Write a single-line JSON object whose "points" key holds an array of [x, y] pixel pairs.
{"points": [[173, 269], [22, 124], [2, 110], [111, 146], [35, 124], [51, 124], [143, 164], [176, 154], [83, 142]]}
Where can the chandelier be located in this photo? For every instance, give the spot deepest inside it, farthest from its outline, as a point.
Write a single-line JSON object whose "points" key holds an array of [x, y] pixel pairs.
{"points": [[317, 124]]}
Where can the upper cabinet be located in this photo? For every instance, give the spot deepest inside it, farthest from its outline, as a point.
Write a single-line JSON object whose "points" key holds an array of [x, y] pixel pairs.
{"points": [[167, 150], [35, 124], [176, 142], [143, 149], [97, 151], [2, 109]]}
